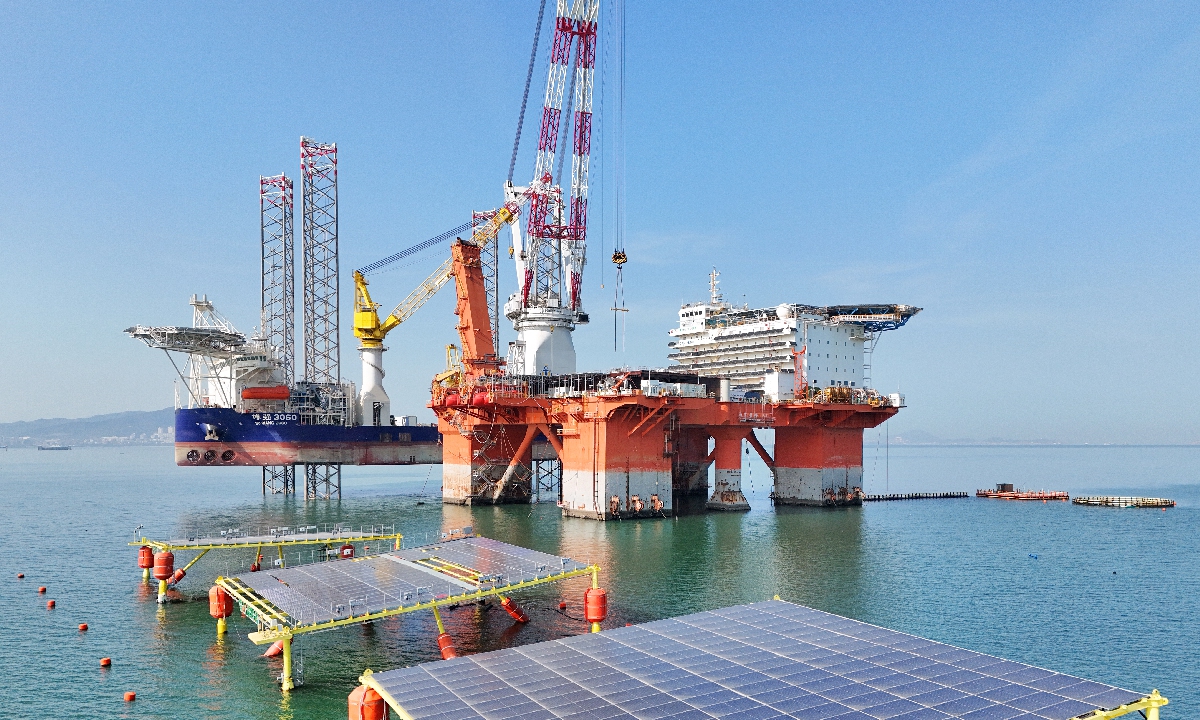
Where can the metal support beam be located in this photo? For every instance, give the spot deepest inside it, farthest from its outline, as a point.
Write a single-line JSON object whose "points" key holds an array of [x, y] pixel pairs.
{"points": [[322, 482]]}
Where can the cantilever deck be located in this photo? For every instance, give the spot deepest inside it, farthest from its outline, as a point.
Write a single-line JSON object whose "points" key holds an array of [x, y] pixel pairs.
{"points": [[325, 596], [765, 660]]}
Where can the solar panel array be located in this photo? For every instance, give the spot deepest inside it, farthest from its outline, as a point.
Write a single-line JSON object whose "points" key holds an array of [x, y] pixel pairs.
{"points": [[761, 661], [328, 591]]}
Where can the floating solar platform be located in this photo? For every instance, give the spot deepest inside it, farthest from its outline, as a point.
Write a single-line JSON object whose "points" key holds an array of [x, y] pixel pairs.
{"points": [[324, 596], [760, 661]]}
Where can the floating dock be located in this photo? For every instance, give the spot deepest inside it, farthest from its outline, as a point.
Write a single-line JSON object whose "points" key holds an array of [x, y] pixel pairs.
{"points": [[916, 496], [1023, 494], [770, 659], [327, 596], [1123, 502]]}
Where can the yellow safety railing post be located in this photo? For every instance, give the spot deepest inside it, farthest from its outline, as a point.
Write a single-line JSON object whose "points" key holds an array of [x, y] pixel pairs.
{"points": [[438, 618], [281, 556], [287, 664]]}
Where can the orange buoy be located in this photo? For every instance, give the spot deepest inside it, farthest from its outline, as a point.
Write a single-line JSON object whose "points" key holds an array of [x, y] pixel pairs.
{"points": [[130, 696], [346, 551], [366, 704], [49, 604], [220, 603], [145, 557], [177, 576], [275, 649], [20, 575], [83, 627], [42, 590], [164, 565], [105, 662], [446, 645], [514, 610], [595, 604]]}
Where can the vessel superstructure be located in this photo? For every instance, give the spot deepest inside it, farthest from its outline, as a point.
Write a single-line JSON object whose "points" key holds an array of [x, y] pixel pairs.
{"points": [[782, 352]]}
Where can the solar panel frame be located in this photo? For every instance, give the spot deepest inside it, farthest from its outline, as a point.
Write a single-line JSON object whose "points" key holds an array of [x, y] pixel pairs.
{"points": [[734, 663], [323, 592]]}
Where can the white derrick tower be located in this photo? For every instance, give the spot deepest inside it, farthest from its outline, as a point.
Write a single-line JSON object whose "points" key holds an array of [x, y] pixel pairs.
{"points": [[550, 257]]}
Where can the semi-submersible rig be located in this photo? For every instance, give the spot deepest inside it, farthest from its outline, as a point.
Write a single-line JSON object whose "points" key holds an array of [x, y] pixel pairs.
{"points": [[616, 444]]}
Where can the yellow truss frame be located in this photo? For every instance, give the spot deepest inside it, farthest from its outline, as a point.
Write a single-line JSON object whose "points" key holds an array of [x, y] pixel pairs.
{"points": [[167, 545], [263, 612]]}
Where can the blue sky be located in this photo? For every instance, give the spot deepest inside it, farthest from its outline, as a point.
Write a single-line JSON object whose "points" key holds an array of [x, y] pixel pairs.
{"points": [[1026, 172]]}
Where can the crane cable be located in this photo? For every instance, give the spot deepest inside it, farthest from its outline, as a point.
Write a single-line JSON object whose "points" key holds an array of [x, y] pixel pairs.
{"points": [[380, 264], [537, 34]]}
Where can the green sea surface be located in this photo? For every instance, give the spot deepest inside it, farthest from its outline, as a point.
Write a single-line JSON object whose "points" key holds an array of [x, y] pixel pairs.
{"points": [[1108, 594]]}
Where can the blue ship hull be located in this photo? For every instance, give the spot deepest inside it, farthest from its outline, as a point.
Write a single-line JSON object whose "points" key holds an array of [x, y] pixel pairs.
{"points": [[222, 436]]}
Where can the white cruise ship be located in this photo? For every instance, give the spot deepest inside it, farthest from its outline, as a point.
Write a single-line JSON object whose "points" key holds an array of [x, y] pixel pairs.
{"points": [[762, 351]]}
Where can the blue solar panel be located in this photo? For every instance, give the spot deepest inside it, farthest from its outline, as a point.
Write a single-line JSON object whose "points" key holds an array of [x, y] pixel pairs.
{"points": [[748, 662]]}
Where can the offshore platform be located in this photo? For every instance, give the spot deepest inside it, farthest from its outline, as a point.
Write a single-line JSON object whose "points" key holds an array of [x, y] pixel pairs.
{"points": [[614, 444]]}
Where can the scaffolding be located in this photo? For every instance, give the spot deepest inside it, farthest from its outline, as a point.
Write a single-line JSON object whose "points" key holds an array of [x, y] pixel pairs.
{"points": [[322, 353], [275, 203], [322, 356]]}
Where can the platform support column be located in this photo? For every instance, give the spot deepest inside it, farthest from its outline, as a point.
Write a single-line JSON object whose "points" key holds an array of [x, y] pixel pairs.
{"points": [[727, 485], [162, 591], [287, 664], [146, 575], [221, 629], [1155, 702], [438, 619]]}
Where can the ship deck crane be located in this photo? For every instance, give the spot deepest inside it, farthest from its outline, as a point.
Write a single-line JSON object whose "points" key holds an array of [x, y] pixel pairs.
{"points": [[479, 352]]}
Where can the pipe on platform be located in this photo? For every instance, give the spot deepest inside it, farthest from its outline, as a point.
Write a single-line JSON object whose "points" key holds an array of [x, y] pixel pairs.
{"points": [[762, 451], [511, 470]]}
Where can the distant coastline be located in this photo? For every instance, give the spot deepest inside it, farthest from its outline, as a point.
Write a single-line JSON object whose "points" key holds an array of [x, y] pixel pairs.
{"points": [[153, 427]]}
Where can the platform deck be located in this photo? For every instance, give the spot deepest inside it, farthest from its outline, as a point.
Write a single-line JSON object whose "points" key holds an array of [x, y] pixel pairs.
{"points": [[765, 660]]}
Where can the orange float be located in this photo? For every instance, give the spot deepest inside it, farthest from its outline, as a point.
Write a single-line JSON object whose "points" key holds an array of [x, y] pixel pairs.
{"points": [[145, 557], [595, 605], [446, 645], [164, 565], [366, 704], [220, 603], [514, 610]]}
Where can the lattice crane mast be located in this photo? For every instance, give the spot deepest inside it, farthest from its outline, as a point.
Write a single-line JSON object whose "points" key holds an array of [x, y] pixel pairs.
{"points": [[553, 251]]}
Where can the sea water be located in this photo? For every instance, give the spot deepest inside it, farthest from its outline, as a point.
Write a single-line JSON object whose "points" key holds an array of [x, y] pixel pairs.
{"points": [[1104, 593]]}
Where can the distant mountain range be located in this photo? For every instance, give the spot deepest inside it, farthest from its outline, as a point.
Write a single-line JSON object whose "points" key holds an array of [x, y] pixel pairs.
{"points": [[154, 427]]}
